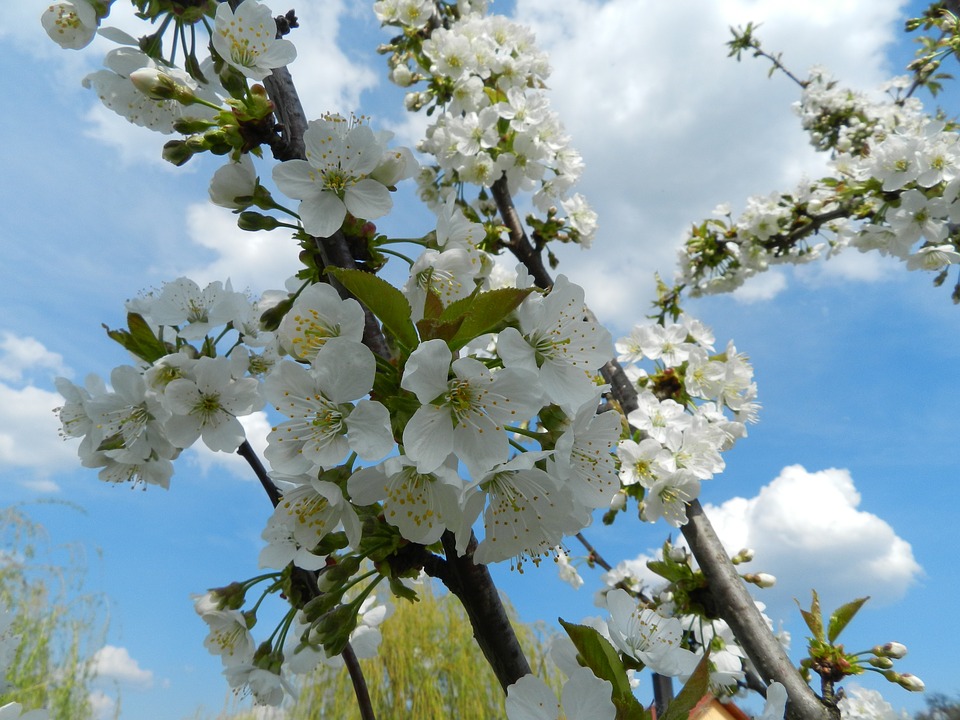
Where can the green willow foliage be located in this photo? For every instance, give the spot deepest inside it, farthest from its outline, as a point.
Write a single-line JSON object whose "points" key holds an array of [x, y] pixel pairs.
{"points": [[53, 618], [428, 666]]}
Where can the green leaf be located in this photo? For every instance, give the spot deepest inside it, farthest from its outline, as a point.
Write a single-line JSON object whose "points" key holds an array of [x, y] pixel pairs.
{"points": [[813, 618], [596, 653], [140, 340], [671, 571], [487, 311], [693, 691], [842, 616], [383, 300]]}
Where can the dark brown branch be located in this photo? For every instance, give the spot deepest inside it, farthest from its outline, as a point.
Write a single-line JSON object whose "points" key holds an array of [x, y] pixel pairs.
{"points": [[737, 607], [247, 453], [359, 683], [472, 584], [519, 244], [740, 612]]}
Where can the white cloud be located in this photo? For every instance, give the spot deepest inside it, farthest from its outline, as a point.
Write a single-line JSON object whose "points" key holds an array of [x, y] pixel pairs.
{"points": [[669, 128], [762, 287], [114, 663], [327, 79], [20, 354], [251, 260], [103, 705], [807, 530], [29, 433]]}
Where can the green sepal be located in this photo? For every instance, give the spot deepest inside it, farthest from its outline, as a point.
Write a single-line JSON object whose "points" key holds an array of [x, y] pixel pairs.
{"points": [[842, 616], [114, 442], [693, 691], [814, 618], [402, 591], [139, 340], [383, 299], [596, 652]]}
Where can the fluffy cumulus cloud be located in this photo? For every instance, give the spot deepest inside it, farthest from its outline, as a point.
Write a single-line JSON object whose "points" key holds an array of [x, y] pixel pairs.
{"points": [[29, 430], [115, 663], [254, 261], [669, 127], [808, 531]]}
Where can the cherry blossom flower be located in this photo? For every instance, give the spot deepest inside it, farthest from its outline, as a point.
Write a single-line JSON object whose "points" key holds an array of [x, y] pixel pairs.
{"points": [[246, 38], [72, 24], [464, 415], [584, 697], [14, 711], [314, 508], [420, 505], [317, 315], [207, 405], [342, 155], [557, 339], [324, 425], [527, 513], [648, 637]]}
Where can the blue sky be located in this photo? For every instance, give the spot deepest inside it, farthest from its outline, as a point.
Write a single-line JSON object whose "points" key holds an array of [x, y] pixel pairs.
{"points": [[845, 485]]}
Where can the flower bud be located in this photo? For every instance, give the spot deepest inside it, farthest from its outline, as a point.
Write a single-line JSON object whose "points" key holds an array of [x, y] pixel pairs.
{"points": [[761, 580], [160, 86], [619, 501], [677, 554], [893, 650], [745, 555], [177, 152], [905, 680], [883, 663], [253, 221]]}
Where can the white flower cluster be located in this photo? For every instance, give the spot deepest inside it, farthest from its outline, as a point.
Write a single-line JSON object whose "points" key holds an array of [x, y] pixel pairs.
{"points": [[681, 421], [487, 75], [895, 188], [134, 429]]}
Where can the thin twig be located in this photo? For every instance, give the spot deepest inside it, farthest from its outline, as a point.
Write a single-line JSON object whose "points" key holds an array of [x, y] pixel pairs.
{"points": [[359, 683], [247, 452]]}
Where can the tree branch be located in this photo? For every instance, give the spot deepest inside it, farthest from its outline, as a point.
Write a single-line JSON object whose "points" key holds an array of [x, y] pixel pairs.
{"points": [[736, 605], [740, 612], [359, 683], [472, 584]]}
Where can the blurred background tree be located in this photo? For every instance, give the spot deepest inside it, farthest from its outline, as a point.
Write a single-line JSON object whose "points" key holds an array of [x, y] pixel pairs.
{"points": [[428, 666], [54, 620]]}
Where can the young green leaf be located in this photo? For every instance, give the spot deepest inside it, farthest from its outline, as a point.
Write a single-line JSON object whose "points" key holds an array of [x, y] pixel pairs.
{"points": [[842, 616], [596, 653], [383, 300], [813, 618], [693, 691], [487, 311], [140, 340]]}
